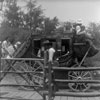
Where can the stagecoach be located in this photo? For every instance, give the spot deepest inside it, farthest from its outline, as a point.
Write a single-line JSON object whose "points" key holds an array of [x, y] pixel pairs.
{"points": [[69, 54]]}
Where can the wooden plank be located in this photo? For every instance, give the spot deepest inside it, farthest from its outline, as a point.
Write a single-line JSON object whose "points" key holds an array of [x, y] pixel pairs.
{"points": [[76, 69], [71, 98], [28, 94], [10, 94], [67, 97], [23, 94], [90, 98], [36, 59], [77, 98], [57, 98], [96, 98], [64, 98], [35, 96], [84, 98]]}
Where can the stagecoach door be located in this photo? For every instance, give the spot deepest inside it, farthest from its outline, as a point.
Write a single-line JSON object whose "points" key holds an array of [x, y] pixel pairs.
{"points": [[36, 46], [65, 46]]}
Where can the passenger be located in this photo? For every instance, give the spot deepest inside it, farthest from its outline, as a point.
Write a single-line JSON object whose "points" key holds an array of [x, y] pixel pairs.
{"points": [[81, 30], [16, 45], [82, 36], [41, 52]]}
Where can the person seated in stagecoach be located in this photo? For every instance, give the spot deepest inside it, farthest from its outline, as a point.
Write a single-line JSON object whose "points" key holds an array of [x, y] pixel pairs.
{"points": [[84, 39], [40, 53]]}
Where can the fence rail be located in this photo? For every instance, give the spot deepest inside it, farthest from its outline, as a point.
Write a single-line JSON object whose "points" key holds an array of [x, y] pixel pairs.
{"points": [[50, 91]]}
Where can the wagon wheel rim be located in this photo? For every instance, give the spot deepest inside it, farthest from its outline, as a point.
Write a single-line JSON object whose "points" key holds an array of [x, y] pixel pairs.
{"points": [[22, 66], [37, 76], [79, 75]]}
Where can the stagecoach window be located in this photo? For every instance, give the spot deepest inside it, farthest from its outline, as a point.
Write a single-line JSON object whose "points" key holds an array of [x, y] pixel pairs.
{"points": [[63, 48], [59, 45]]}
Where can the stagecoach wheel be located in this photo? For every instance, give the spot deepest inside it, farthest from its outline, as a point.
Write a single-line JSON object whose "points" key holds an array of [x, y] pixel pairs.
{"points": [[37, 75], [79, 75], [23, 79]]}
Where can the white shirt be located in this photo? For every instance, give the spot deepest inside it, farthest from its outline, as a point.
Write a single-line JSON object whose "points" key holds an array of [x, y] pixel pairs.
{"points": [[4, 44], [11, 50], [51, 52]]}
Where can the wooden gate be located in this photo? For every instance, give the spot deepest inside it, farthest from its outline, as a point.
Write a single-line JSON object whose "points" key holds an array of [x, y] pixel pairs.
{"points": [[29, 73], [52, 92]]}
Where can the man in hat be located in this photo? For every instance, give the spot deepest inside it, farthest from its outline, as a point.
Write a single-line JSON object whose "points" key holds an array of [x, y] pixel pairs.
{"points": [[51, 52]]}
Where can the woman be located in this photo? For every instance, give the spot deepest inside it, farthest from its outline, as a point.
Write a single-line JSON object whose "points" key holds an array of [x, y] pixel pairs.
{"points": [[81, 36]]}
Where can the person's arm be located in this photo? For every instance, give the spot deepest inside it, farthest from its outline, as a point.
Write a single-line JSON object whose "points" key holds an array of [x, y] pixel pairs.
{"points": [[88, 35], [82, 32]]}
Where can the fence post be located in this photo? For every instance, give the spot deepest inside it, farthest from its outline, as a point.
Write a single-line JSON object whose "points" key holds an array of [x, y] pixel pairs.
{"points": [[0, 62], [50, 82], [44, 77]]}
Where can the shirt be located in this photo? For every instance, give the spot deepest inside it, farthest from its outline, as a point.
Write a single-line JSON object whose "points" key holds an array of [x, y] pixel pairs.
{"points": [[51, 52], [10, 50]]}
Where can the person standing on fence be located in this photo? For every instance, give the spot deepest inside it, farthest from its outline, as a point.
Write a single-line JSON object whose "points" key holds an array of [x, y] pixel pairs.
{"points": [[10, 50], [5, 45]]}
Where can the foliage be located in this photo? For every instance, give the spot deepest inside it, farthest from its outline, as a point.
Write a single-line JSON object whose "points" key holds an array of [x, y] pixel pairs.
{"points": [[12, 15], [94, 29], [50, 25], [17, 23], [34, 16], [14, 34]]}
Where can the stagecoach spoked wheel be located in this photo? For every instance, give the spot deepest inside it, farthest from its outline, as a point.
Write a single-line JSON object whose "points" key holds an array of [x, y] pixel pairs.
{"points": [[22, 79], [79, 75], [37, 75]]}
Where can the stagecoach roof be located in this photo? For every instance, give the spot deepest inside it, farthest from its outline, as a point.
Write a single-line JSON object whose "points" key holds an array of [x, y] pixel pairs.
{"points": [[67, 34]]}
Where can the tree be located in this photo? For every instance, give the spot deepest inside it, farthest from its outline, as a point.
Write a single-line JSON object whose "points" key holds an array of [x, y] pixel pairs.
{"points": [[34, 16], [94, 29], [15, 19], [11, 14], [50, 25]]}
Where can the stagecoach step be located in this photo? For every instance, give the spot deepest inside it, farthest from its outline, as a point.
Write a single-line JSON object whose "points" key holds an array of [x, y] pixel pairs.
{"points": [[75, 94]]}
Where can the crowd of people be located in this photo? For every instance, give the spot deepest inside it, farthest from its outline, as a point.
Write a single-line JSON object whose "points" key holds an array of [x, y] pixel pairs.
{"points": [[8, 49]]}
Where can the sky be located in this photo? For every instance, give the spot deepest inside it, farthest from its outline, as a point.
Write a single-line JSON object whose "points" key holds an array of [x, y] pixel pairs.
{"points": [[72, 10]]}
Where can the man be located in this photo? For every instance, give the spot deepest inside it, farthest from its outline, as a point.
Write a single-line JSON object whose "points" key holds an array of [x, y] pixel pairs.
{"points": [[51, 52]]}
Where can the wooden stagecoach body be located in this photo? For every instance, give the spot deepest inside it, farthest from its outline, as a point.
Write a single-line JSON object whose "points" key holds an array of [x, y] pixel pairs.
{"points": [[28, 62]]}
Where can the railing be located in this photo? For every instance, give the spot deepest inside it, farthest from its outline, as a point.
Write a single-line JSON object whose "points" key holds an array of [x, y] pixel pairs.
{"points": [[21, 73], [51, 69], [52, 93]]}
